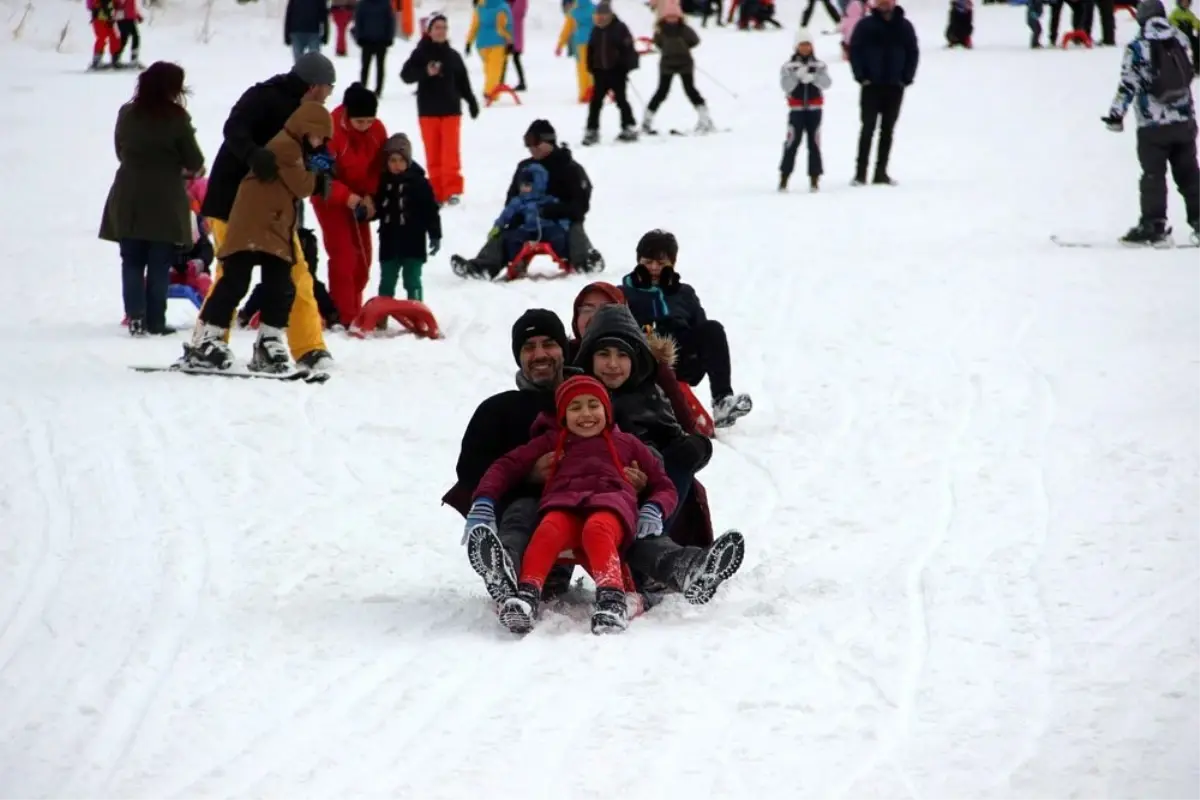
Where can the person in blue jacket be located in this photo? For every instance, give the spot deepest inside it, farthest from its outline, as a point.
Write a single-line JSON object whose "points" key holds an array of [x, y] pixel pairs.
{"points": [[883, 58], [375, 31], [523, 219]]}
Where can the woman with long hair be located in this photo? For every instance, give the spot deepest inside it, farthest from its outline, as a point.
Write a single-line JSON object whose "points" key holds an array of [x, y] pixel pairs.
{"points": [[148, 212]]}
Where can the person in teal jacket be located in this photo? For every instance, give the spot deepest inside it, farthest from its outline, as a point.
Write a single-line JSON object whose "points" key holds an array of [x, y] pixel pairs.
{"points": [[492, 34], [576, 31]]}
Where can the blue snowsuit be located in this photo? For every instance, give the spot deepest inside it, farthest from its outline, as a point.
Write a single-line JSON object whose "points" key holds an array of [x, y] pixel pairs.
{"points": [[521, 220]]}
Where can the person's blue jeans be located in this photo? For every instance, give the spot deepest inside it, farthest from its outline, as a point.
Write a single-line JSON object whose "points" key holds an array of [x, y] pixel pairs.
{"points": [[145, 276], [305, 43]]}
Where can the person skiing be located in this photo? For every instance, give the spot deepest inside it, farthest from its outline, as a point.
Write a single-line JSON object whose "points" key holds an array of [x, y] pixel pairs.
{"points": [[1156, 76], [611, 56], [127, 17], [261, 233], [675, 39], [104, 30], [804, 77]]}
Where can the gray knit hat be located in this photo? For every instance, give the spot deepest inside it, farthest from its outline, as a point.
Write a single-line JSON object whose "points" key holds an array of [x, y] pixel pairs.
{"points": [[398, 143], [1149, 9], [315, 70]]}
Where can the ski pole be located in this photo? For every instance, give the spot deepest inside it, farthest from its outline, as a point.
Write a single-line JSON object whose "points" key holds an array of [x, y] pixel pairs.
{"points": [[718, 84]]}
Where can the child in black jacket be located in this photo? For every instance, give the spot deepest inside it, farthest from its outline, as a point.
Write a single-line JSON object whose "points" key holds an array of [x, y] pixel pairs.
{"points": [[407, 213]]}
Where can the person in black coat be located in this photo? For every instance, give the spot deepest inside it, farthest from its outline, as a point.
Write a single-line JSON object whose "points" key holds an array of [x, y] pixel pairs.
{"points": [[883, 57], [256, 117], [568, 182], [375, 31], [306, 26], [611, 56], [407, 214]]}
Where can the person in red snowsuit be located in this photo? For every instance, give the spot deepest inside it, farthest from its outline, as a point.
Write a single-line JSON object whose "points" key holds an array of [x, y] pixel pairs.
{"points": [[357, 147], [104, 28]]}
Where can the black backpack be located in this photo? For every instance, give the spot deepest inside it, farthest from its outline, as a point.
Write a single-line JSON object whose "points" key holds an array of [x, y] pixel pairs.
{"points": [[1172, 71]]}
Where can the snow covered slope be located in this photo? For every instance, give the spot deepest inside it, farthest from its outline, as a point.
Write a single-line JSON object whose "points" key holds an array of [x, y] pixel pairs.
{"points": [[969, 484]]}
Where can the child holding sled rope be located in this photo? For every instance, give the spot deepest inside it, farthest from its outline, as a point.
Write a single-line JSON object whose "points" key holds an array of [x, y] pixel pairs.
{"points": [[803, 78], [588, 503]]}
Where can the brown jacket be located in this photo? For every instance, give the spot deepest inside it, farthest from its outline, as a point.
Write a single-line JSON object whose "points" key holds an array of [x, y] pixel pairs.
{"points": [[264, 214]]}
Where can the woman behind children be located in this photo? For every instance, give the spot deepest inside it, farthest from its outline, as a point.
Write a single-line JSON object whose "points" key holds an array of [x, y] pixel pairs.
{"points": [[587, 503], [803, 78], [261, 232], [148, 212], [675, 39], [407, 214]]}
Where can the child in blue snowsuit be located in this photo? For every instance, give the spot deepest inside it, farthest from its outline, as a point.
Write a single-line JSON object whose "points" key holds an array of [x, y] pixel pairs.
{"points": [[521, 220]]}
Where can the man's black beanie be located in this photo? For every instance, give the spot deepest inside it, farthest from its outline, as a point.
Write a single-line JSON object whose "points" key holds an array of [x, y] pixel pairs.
{"points": [[537, 322]]}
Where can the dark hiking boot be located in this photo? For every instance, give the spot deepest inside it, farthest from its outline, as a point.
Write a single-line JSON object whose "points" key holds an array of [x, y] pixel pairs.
{"points": [[1153, 233], [490, 561], [137, 326], [719, 564], [162, 330], [519, 612], [783, 182], [590, 137], [629, 134], [610, 614], [881, 179], [467, 267], [594, 263], [859, 180], [730, 408]]}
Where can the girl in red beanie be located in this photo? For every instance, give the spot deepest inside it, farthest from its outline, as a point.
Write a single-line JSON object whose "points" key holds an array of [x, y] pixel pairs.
{"points": [[587, 503]]}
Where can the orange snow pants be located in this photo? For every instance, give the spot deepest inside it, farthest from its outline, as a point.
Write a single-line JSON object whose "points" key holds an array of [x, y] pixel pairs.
{"points": [[443, 158], [106, 34], [598, 534], [348, 248]]}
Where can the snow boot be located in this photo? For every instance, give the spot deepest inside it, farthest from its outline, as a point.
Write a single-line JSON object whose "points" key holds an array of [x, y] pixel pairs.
{"points": [[270, 351], [704, 575], [594, 263], [705, 124], [610, 614], [783, 182], [208, 349], [814, 183], [316, 360], [519, 612], [882, 179], [590, 137], [1194, 238], [648, 124], [137, 326], [730, 408], [490, 561], [1155, 233], [628, 134], [467, 267]]}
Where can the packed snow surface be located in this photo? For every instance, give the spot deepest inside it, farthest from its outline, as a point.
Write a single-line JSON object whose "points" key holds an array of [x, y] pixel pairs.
{"points": [[968, 487]]}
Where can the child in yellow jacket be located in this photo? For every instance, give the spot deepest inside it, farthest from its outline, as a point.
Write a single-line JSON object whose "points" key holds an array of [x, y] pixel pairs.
{"points": [[576, 30], [491, 33]]}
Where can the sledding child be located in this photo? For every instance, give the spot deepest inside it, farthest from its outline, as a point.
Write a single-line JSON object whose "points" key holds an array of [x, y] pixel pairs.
{"points": [[1185, 19], [261, 228], [960, 24], [576, 30], [104, 28], [127, 17], [522, 220], [407, 214], [675, 39], [804, 77], [587, 504]]}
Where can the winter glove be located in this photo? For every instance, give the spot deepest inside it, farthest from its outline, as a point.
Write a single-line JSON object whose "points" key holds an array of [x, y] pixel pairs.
{"points": [[805, 76], [263, 164], [361, 212], [649, 521], [434, 246], [1113, 123], [320, 161], [467, 49], [483, 514], [474, 110], [494, 232]]}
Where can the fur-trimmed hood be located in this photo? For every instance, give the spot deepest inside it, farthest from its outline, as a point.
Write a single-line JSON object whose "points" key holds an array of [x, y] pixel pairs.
{"points": [[664, 348]]}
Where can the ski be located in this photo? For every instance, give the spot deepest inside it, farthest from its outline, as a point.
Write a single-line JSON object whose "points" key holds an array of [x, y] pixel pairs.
{"points": [[305, 375], [1117, 244], [677, 132]]}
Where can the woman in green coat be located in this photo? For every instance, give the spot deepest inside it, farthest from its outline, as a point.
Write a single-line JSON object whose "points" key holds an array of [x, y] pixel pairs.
{"points": [[148, 212]]}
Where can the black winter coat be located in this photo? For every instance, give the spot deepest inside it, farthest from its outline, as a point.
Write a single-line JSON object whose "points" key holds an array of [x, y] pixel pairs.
{"points": [[374, 23], [306, 16], [407, 212], [256, 117], [671, 308], [611, 48], [884, 51], [440, 95], [568, 181]]}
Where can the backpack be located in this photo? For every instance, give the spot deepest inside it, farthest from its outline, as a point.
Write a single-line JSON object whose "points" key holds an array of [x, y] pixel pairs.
{"points": [[1171, 69]]}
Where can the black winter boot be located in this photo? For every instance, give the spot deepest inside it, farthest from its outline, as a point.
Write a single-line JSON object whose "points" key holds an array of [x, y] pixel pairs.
{"points": [[699, 578], [519, 612], [610, 614], [1155, 233]]}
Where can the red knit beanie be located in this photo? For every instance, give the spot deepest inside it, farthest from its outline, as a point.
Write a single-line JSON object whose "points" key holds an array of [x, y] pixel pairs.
{"points": [[577, 386], [614, 294]]}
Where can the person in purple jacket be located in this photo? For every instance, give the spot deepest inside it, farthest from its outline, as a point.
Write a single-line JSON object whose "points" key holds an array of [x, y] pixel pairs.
{"points": [[518, 8]]}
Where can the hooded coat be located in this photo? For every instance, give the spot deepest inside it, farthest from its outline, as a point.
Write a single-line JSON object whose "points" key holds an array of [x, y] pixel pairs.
{"points": [[264, 216]]}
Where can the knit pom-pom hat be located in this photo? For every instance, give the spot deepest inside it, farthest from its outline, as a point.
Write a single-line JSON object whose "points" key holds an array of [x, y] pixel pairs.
{"points": [[578, 386]]}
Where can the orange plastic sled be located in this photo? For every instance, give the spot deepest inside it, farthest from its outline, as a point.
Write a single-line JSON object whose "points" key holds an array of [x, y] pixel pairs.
{"points": [[519, 266], [704, 420], [413, 315]]}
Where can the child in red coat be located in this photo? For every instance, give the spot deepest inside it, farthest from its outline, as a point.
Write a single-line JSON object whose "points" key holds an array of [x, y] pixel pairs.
{"points": [[587, 503]]}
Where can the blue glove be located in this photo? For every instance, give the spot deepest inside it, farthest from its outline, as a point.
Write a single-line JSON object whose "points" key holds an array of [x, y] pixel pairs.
{"points": [[649, 521], [320, 161], [434, 246], [483, 514], [360, 213]]}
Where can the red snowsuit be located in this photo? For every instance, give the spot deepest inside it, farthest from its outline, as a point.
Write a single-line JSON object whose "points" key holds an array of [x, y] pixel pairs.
{"points": [[359, 163], [104, 28]]}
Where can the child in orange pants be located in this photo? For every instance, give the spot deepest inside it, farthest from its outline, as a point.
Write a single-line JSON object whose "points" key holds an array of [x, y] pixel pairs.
{"points": [[588, 504]]}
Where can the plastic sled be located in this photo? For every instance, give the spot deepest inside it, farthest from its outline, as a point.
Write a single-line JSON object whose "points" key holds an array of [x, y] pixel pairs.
{"points": [[519, 266], [179, 291], [496, 93], [1076, 37], [704, 420], [415, 316]]}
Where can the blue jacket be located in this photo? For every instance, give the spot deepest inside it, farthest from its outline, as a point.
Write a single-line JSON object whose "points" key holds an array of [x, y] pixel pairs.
{"points": [[306, 16], [530, 204], [488, 34], [374, 22], [582, 12], [884, 51]]}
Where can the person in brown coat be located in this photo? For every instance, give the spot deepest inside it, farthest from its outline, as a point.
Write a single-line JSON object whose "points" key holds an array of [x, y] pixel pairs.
{"points": [[260, 233]]}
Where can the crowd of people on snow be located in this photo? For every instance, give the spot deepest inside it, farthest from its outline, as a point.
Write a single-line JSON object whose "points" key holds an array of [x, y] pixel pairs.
{"points": [[596, 451]]}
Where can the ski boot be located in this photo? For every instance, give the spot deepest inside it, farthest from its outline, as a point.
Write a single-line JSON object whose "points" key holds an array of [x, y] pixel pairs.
{"points": [[705, 124], [270, 352], [1155, 233], [96, 65], [590, 137], [628, 134], [730, 408], [699, 573], [519, 612], [316, 360], [648, 124], [208, 349], [610, 614], [490, 561]]}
